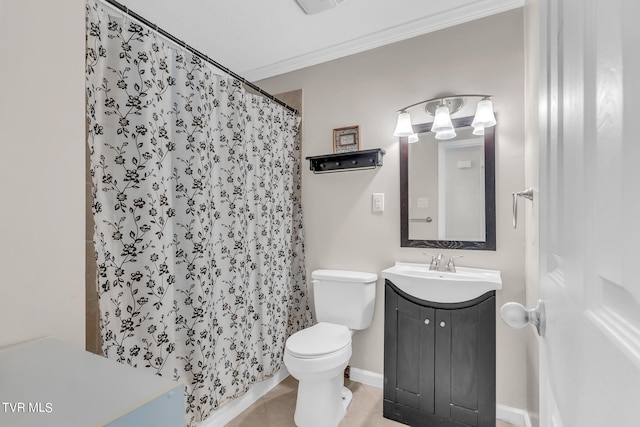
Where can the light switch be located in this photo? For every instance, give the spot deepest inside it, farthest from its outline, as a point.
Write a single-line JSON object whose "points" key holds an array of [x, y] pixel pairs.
{"points": [[378, 202]]}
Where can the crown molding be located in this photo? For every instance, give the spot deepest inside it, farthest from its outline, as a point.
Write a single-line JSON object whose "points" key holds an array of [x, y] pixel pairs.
{"points": [[389, 35]]}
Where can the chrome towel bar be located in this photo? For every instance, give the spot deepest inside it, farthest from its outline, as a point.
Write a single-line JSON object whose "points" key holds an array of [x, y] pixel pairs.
{"points": [[527, 194]]}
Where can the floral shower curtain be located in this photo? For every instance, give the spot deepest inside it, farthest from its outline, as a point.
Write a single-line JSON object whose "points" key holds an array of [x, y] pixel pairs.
{"points": [[198, 224]]}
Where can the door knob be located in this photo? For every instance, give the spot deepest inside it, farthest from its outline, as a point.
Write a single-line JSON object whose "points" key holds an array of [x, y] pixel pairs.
{"points": [[517, 316]]}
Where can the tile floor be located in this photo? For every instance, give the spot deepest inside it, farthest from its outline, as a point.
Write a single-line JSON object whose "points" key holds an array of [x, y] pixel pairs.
{"points": [[276, 408]]}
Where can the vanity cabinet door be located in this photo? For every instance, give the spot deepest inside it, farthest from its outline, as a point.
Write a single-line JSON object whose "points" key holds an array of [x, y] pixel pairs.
{"points": [[409, 337], [465, 364], [439, 366]]}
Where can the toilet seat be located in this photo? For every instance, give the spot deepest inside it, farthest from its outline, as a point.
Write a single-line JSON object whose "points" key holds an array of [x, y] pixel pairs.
{"points": [[319, 340]]}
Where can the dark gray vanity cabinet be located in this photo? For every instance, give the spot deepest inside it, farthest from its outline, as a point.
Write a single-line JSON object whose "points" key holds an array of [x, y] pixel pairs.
{"points": [[439, 361]]}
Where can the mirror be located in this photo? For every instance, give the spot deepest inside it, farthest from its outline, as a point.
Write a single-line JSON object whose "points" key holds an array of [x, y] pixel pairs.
{"points": [[447, 189]]}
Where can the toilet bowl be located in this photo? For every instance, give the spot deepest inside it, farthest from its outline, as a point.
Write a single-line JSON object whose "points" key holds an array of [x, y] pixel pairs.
{"points": [[317, 356]]}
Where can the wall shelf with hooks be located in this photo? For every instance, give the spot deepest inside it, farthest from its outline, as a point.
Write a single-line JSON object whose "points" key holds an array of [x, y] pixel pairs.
{"points": [[354, 160]]}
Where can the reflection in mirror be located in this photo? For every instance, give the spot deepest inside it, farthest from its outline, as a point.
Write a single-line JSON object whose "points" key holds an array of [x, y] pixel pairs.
{"points": [[446, 199], [447, 189]]}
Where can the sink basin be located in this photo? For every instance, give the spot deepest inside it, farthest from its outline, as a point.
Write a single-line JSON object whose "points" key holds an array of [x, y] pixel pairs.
{"points": [[442, 286]]}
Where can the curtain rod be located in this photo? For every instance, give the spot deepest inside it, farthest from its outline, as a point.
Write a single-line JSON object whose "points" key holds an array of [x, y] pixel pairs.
{"points": [[199, 54]]}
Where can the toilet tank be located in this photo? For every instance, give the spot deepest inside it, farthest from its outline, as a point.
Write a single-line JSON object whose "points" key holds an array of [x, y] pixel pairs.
{"points": [[344, 297]]}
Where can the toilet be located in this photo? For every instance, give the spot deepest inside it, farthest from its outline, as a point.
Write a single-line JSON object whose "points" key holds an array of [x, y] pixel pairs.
{"points": [[317, 356]]}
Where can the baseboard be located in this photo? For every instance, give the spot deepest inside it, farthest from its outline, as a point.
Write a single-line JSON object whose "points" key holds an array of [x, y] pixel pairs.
{"points": [[234, 408], [515, 416], [228, 412], [366, 377]]}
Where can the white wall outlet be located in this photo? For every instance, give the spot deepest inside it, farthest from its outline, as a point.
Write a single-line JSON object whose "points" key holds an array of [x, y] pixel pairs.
{"points": [[377, 202]]}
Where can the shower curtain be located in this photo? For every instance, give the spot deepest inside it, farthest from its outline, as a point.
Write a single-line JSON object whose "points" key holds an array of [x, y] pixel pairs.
{"points": [[198, 224]]}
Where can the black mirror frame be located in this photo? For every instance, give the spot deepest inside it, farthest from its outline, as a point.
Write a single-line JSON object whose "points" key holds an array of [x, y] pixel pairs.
{"points": [[489, 244]]}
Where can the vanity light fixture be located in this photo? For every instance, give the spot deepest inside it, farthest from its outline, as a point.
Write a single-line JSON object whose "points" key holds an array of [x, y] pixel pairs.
{"points": [[403, 127], [442, 126], [446, 134], [442, 109], [478, 130], [413, 138]]}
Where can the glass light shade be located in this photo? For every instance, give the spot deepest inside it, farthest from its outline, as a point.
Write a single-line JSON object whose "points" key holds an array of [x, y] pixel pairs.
{"points": [[413, 138], [403, 126], [478, 130], [484, 114], [446, 134], [442, 120]]}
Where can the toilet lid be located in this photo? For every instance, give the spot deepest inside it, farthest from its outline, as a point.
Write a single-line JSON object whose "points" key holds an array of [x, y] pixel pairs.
{"points": [[320, 339]]}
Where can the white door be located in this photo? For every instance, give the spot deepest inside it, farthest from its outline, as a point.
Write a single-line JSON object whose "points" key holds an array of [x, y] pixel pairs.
{"points": [[590, 212]]}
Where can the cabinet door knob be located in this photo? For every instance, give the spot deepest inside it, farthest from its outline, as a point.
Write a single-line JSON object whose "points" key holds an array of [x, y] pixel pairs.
{"points": [[442, 324], [426, 321]]}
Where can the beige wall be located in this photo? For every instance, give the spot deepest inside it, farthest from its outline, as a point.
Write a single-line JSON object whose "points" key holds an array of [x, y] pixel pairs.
{"points": [[485, 56], [42, 171]]}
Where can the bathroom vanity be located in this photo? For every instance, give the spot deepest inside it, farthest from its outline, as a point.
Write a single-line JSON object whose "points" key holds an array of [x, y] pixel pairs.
{"points": [[439, 358]]}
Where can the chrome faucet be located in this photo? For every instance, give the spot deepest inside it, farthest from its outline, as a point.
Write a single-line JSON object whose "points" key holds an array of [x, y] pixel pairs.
{"points": [[436, 261], [451, 267], [437, 264]]}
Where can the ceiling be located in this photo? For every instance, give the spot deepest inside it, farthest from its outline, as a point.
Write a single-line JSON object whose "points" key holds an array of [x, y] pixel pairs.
{"points": [[263, 38]]}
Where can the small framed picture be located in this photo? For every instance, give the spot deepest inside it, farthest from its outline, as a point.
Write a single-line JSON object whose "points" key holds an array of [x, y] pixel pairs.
{"points": [[346, 139]]}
